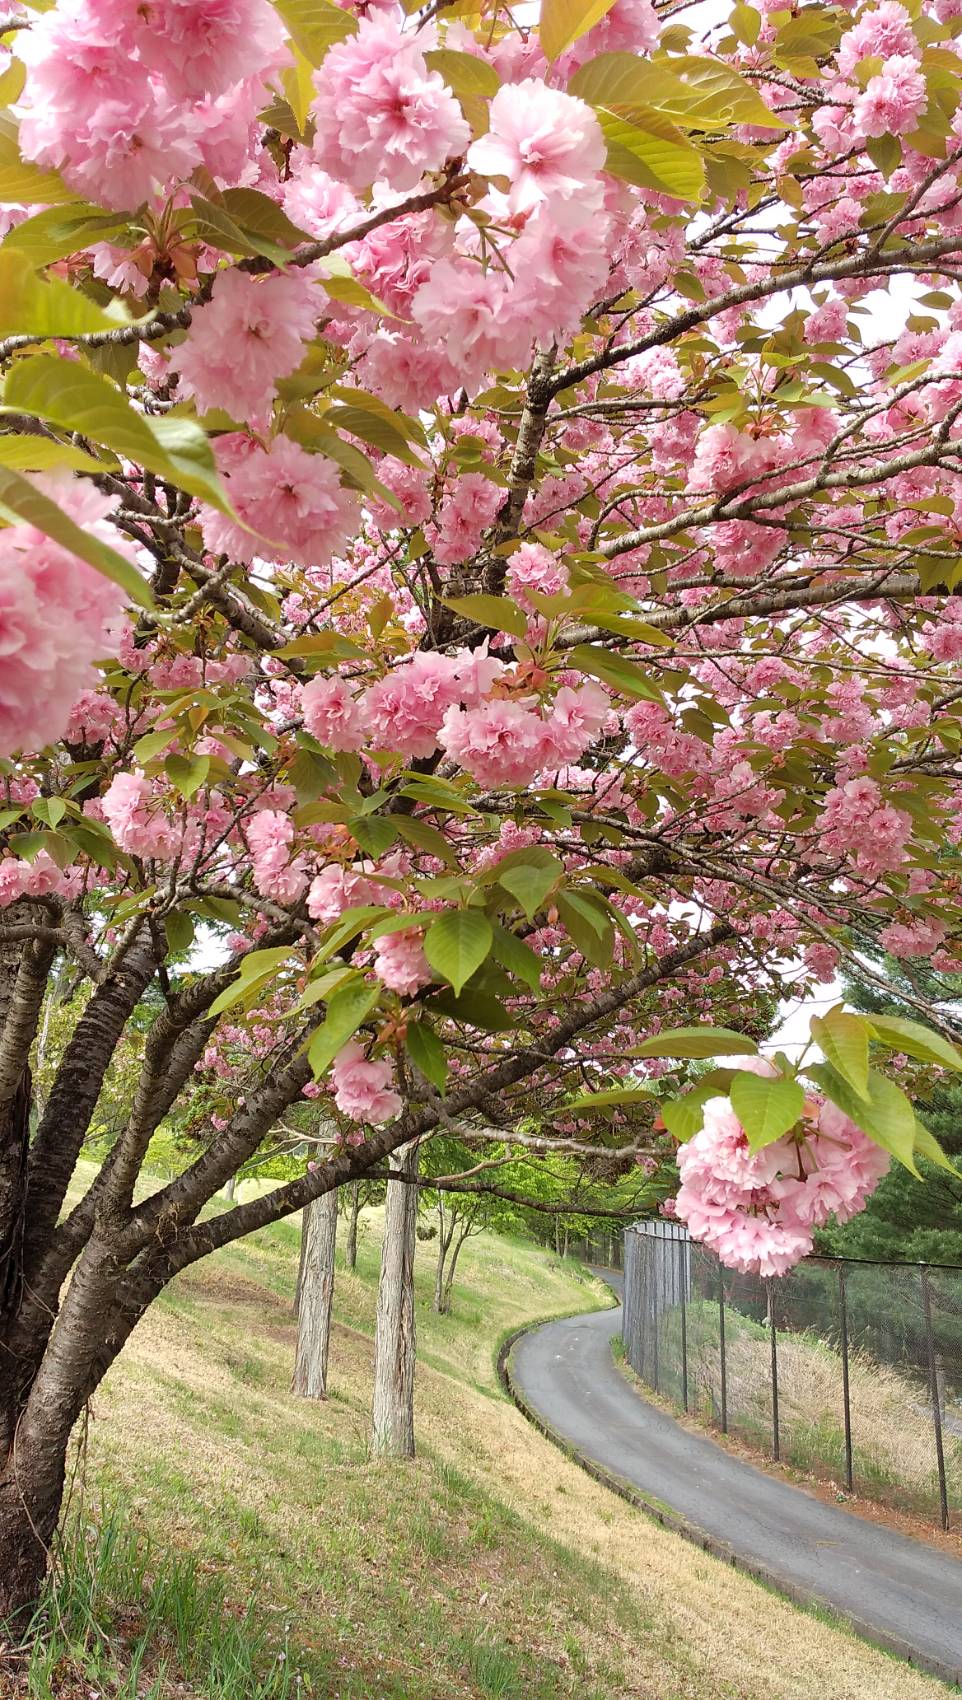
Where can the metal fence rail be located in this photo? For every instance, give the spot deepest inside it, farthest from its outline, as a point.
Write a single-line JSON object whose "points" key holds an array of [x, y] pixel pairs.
{"points": [[849, 1371]]}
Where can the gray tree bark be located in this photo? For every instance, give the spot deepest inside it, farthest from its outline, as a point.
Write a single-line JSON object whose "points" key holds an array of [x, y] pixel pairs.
{"points": [[316, 1299], [350, 1249], [394, 1338]]}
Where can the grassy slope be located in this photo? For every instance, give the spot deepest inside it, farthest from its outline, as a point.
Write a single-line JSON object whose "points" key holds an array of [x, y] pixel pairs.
{"points": [[490, 1567]]}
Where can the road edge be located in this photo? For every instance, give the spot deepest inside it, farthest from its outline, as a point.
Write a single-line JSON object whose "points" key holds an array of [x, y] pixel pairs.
{"points": [[678, 1525]]}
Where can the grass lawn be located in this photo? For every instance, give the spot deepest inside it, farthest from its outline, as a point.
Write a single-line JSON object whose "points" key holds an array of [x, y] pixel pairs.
{"points": [[283, 1564]]}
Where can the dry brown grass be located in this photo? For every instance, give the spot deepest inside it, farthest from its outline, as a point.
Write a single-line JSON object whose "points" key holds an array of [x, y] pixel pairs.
{"points": [[198, 1428], [892, 1431]]}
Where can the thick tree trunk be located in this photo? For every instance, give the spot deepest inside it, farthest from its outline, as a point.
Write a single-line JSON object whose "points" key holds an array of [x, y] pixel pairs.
{"points": [[350, 1248], [301, 1259], [394, 1339], [316, 1298], [26, 1530]]}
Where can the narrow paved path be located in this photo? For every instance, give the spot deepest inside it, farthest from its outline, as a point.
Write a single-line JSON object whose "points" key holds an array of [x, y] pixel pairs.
{"points": [[901, 1593]]}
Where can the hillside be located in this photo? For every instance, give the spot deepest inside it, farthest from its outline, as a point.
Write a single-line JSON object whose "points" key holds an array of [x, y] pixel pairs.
{"points": [[490, 1567]]}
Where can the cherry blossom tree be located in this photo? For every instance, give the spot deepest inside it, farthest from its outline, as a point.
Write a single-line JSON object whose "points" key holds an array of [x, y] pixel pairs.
{"points": [[481, 512]]}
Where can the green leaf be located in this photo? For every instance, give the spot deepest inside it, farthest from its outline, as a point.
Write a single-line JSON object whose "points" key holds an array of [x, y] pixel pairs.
{"points": [[698, 1042], [457, 943], [695, 92], [565, 21], [258, 962], [152, 743], [475, 1008], [346, 1009], [21, 500], [427, 1053], [65, 393], [373, 427], [57, 231], [928, 1147], [35, 306], [886, 1116], [766, 1108], [325, 649], [745, 24], [843, 1041], [588, 927], [465, 73], [683, 1117], [179, 928], [915, 1040], [23, 182], [374, 833], [651, 152], [187, 774], [25, 453], [262, 219], [315, 25], [517, 957], [624, 676], [499, 613], [49, 810], [426, 837], [530, 881], [588, 1103]]}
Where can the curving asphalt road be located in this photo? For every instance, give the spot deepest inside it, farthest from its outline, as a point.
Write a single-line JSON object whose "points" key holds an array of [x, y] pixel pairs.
{"points": [[900, 1593]]}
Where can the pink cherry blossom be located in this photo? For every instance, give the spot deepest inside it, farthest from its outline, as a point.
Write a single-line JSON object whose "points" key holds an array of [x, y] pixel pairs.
{"points": [[549, 145], [56, 615], [400, 963], [364, 1089], [250, 335], [332, 714], [138, 823], [292, 501], [380, 113], [335, 889], [462, 311], [404, 710], [893, 101], [532, 567], [277, 873], [498, 743]]}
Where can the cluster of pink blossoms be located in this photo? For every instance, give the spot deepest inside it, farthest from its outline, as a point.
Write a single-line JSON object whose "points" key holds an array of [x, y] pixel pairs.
{"points": [[293, 502], [363, 1088], [451, 702], [249, 336], [759, 1211], [57, 616], [126, 99]]}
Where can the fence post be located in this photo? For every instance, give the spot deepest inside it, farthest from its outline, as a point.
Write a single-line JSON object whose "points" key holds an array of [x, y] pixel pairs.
{"points": [[846, 1401], [683, 1301], [771, 1325], [721, 1349], [934, 1391], [659, 1266]]}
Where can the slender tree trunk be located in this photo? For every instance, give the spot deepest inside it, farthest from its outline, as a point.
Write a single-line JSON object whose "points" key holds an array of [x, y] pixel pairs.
{"points": [[394, 1340], [350, 1249], [564, 1249], [452, 1266], [557, 1236], [445, 1232], [316, 1298], [230, 1189]]}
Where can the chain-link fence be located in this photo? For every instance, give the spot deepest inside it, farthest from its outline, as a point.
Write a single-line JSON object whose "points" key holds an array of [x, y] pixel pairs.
{"points": [[847, 1370]]}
